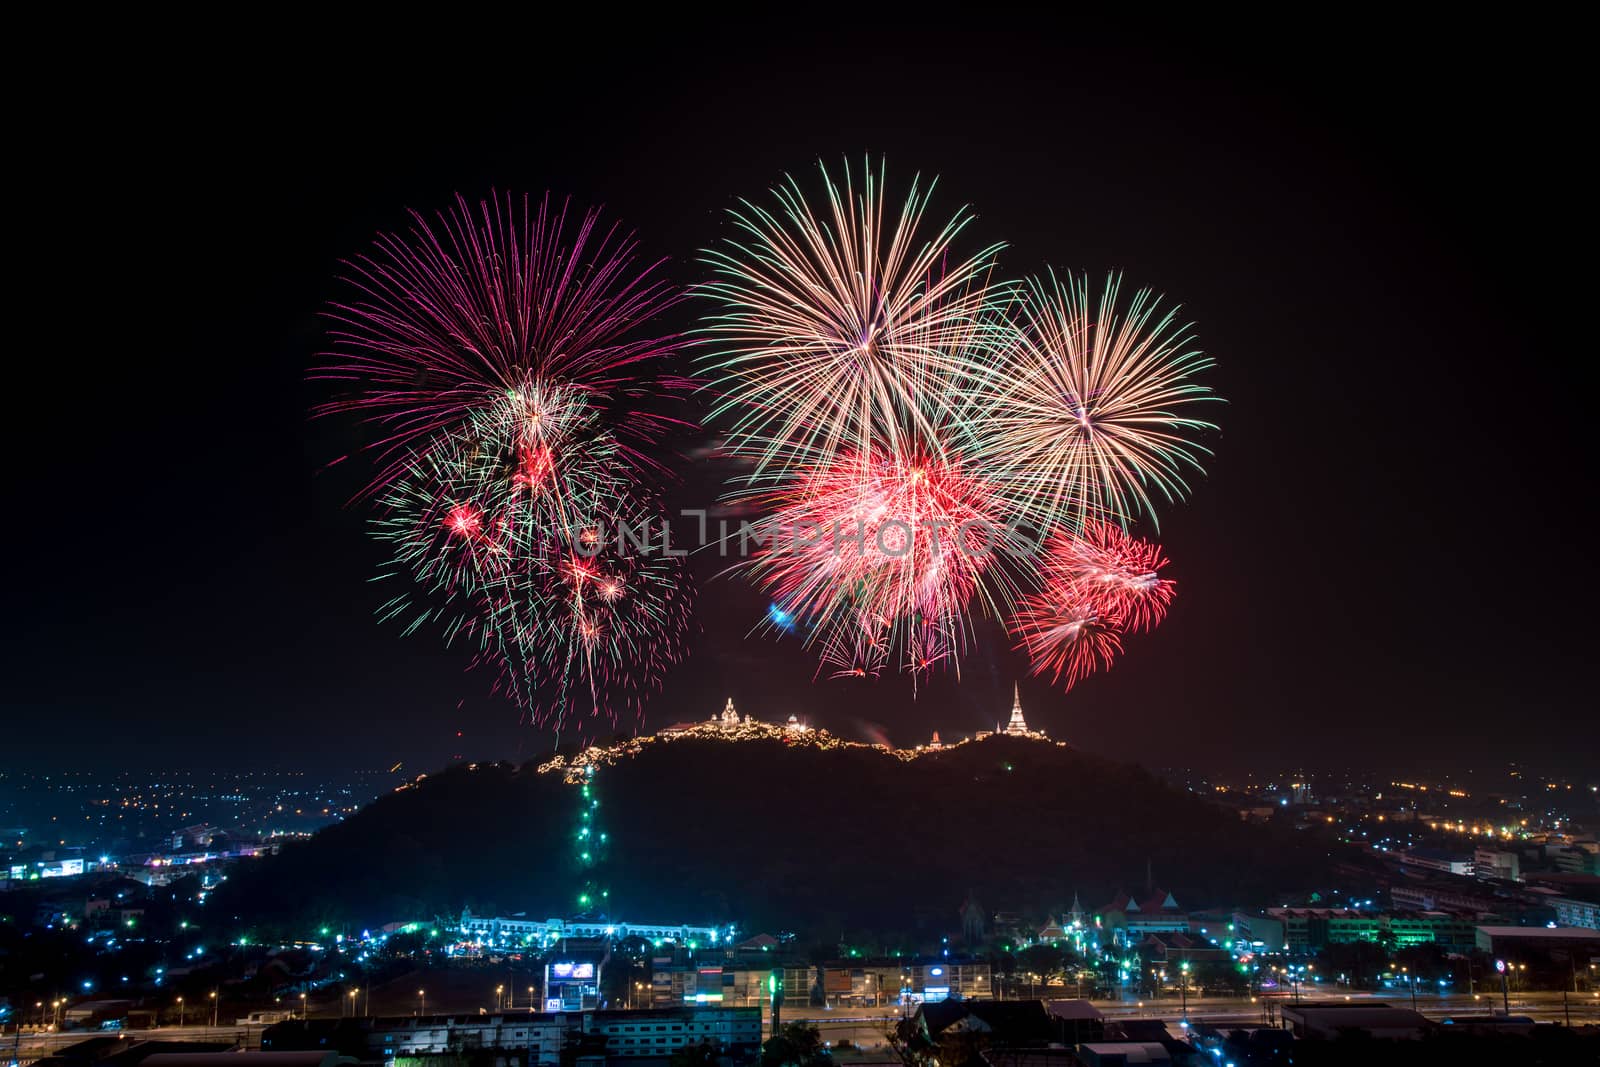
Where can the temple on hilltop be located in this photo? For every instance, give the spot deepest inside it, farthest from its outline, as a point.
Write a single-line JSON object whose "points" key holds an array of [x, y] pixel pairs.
{"points": [[729, 721]]}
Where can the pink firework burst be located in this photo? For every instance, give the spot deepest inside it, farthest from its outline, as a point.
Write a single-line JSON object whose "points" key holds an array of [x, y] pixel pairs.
{"points": [[508, 300], [884, 555]]}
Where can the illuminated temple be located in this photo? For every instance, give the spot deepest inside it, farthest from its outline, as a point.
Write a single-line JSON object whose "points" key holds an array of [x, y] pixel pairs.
{"points": [[730, 725]]}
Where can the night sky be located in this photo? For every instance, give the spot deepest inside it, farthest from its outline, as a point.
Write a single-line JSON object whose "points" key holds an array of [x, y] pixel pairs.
{"points": [[1370, 229]]}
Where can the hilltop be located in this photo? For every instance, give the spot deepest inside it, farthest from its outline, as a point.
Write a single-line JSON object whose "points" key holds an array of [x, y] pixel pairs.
{"points": [[776, 835]]}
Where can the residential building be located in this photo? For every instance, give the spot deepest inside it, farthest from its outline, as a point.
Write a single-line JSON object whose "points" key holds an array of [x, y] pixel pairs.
{"points": [[1524, 941], [1499, 863], [1438, 859], [653, 1033], [1570, 911]]}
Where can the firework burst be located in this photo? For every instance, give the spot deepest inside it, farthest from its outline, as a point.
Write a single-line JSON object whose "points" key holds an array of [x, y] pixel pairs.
{"points": [[1065, 635], [1094, 588], [1090, 410], [884, 556], [448, 320], [835, 327], [504, 357], [1118, 573], [548, 567]]}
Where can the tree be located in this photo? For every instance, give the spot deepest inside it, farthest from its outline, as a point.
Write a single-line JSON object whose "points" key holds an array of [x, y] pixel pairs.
{"points": [[702, 1055], [1042, 960], [796, 1045], [911, 1044]]}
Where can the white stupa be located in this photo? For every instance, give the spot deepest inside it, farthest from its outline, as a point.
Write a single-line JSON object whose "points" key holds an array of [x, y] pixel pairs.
{"points": [[1018, 726]]}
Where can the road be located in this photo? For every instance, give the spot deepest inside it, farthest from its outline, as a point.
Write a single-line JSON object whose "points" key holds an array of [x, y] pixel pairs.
{"points": [[865, 1027]]}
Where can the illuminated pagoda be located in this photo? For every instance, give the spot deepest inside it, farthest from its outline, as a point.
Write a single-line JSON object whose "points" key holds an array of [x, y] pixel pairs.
{"points": [[1018, 726]]}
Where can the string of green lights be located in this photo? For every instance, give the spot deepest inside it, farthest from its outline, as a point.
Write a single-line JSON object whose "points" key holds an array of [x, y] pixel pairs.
{"points": [[590, 847]]}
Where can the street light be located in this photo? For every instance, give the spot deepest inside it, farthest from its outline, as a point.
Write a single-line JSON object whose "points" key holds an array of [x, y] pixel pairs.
{"points": [[213, 1009], [499, 996], [353, 994], [180, 1013], [422, 1003], [302, 1007]]}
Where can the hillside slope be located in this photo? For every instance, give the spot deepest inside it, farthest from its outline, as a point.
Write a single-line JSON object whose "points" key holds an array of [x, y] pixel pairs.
{"points": [[779, 837]]}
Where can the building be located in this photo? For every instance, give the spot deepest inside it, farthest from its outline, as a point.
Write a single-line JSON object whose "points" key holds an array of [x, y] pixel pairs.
{"points": [[1584, 914], [676, 981], [1176, 948], [520, 930], [1523, 942], [572, 979], [1018, 726], [1500, 863], [729, 721], [1329, 1021], [1130, 920], [1453, 933], [540, 1037], [1264, 933], [930, 983], [1438, 859], [1306, 930], [661, 1032], [1012, 1023], [1574, 859]]}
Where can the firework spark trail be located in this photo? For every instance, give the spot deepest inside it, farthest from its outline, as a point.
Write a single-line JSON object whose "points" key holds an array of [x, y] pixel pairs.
{"points": [[1090, 410]]}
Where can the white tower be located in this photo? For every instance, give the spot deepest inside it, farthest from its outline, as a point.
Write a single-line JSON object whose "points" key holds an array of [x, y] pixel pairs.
{"points": [[1017, 727]]}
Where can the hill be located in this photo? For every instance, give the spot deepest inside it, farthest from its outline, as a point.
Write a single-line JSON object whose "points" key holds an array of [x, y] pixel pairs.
{"points": [[776, 836]]}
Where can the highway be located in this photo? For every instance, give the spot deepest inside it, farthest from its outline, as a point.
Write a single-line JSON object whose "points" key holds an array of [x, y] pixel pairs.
{"points": [[865, 1027]]}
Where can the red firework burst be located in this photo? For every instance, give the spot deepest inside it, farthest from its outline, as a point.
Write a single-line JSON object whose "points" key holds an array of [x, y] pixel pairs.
{"points": [[1114, 571], [1096, 587], [1065, 635]]}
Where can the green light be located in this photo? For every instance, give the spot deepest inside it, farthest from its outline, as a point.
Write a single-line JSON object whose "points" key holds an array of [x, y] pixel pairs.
{"points": [[323, 931]]}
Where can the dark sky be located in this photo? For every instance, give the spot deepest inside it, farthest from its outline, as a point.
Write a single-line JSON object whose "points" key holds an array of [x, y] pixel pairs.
{"points": [[1370, 226]]}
